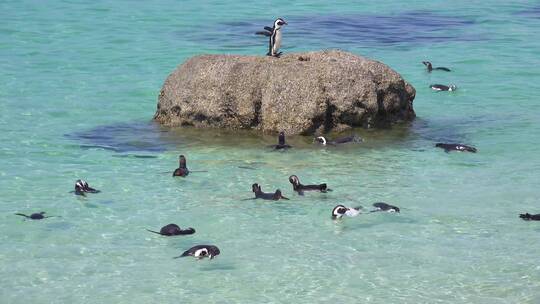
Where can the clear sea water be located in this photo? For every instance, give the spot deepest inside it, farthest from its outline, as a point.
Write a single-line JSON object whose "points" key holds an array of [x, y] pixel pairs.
{"points": [[79, 82]]}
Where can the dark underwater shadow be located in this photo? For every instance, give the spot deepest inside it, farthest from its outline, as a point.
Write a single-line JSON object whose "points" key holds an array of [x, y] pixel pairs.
{"points": [[126, 137], [530, 12], [343, 31]]}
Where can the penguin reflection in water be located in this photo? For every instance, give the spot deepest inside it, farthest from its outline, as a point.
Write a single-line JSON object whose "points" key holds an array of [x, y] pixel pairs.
{"points": [[274, 34], [256, 188]]}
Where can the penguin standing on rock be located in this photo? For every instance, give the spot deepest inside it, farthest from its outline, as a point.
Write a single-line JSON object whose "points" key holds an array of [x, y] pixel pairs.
{"points": [[275, 37]]}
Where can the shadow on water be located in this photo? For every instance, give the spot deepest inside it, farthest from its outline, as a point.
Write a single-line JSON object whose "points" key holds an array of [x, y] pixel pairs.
{"points": [[145, 139], [330, 31], [126, 137], [530, 12]]}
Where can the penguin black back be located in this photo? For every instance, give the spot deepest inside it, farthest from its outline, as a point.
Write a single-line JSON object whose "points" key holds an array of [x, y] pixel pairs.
{"points": [[182, 169]]}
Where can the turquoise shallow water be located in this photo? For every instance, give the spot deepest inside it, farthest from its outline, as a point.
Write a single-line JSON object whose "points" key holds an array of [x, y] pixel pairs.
{"points": [[78, 87]]}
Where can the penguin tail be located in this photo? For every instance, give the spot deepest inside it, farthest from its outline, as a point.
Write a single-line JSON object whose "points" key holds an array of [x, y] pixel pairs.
{"points": [[153, 231]]}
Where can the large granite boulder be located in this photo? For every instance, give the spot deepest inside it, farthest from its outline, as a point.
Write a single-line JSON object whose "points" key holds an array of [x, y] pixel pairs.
{"points": [[305, 93]]}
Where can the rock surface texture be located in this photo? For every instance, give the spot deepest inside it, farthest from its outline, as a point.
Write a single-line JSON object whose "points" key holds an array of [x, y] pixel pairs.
{"points": [[302, 93]]}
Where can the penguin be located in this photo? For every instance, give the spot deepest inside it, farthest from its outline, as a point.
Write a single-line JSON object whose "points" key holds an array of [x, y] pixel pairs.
{"points": [[201, 252], [266, 196], [338, 141], [431, 68], [339, 211], [82, 187], [173, 229], [182, 169], [275, 37], [530, 217], [384, 207], [442, 87], [298, 187], [455, 147], [281, 142], [35, 216]]}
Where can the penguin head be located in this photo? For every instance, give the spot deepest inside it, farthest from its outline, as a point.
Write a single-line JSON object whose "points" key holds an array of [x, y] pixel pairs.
{"points": [[281, 138], [80, 186], [279, 23], [293, 179], [213, 251], [339, 211], [525, 216], [182, 161], [452, 87], [255, 188], [321, 140], [427, 64]]}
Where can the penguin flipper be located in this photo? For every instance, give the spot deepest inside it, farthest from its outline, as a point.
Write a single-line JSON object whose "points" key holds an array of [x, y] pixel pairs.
{"points": [[270, 29], [26, 216], [267, 34]]}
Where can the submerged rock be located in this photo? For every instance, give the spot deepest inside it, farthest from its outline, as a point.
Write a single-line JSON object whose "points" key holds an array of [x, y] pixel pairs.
{"points": [[306, 93]]}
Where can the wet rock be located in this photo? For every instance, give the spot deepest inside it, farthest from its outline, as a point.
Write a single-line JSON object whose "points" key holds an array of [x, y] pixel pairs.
{"points": [[306, 93]]}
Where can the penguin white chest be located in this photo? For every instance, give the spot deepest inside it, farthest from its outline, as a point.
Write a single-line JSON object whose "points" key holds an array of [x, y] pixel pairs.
{"points": [[277, 42]]}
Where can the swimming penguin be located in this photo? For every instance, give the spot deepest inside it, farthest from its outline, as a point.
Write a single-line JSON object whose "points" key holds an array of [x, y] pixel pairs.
{"points": [[530, 217], [182, 169], [455, 147], [266, 196], [338, 141], [384, 207], [281, 142], [275, 37], [173, 229], [34, 216], [442, 87], [339, 211], [431, 68], [298, 187], [201, 251], [82, 187]]}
